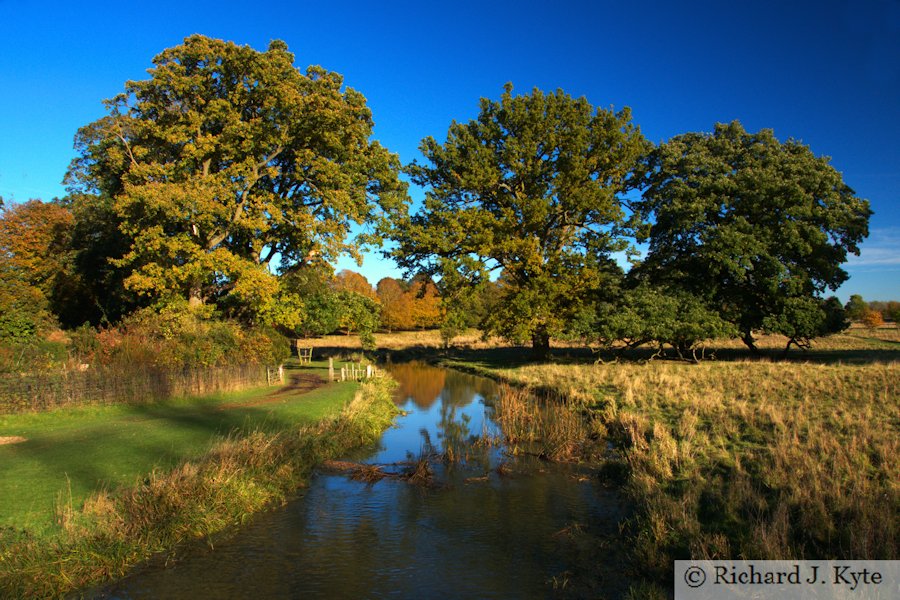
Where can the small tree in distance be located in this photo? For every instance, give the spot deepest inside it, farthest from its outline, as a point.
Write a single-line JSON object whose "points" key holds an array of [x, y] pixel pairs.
{"points": [[856, 308], [873, 320]]}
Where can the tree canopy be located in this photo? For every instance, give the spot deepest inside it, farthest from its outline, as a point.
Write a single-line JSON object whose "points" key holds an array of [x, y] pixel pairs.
{"points": [[533, 188], [226, 158], [756, 227], [36, 249]]}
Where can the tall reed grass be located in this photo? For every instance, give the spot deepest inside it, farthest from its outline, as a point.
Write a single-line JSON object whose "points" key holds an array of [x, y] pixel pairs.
{"points": [[736, 460]]}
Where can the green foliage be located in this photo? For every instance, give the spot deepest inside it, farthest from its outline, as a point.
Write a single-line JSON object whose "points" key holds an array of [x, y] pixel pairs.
{"points": [[360, 314], [226, 157], [856, 308], [645, 314], [836, 319], [323, 314], [754, 227], [98, 245], [453, 324], [801, 319], [178, 335], [17, 327], [24, 309], [533, 187], [892, 311]]}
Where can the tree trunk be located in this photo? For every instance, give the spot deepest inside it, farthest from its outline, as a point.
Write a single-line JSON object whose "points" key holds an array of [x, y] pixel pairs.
{"points": [[195, 297], [747, 338], [540, 343]]}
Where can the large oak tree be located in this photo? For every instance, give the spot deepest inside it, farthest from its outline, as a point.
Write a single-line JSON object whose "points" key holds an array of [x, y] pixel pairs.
{"points": [[755, 228], [226, 159], [533, 188]]}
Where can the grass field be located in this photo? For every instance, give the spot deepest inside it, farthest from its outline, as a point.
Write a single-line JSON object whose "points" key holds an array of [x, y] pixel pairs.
{"points": [[68, 454]]}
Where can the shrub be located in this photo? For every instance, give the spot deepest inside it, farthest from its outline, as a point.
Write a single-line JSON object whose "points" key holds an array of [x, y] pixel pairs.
{"points": [[873, 319]]}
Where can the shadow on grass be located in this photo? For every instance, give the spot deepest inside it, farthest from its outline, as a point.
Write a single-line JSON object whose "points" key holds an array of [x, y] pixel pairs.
{"points": [[516, 356], [108, 452]]}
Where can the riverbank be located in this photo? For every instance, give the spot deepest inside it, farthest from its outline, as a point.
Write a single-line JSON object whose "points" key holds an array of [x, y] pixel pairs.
{"points": [[268, 452]]}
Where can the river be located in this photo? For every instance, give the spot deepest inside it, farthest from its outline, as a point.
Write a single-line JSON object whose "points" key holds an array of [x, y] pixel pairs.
{"points": [[485, 525]]}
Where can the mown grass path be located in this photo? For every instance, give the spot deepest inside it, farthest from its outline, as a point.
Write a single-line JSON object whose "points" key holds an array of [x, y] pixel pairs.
{"points": [[70, 453]]}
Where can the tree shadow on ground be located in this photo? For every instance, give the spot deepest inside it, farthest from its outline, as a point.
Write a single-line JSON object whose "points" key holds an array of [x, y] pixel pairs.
{"points": [[108, 453], [500, 357]]}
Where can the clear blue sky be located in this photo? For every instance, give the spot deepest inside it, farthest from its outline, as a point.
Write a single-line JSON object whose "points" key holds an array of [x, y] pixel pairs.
{"points": [[825, 72]]}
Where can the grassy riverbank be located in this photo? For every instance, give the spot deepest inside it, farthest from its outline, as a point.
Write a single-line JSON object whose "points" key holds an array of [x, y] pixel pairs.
{"points": [[157, 477], [737, 459]]}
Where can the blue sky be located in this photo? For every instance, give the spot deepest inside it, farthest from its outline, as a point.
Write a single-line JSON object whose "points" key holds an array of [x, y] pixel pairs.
{"points": [[826, 73]]}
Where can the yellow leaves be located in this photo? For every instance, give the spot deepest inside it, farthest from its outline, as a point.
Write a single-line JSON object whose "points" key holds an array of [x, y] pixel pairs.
{"points": [[226, 148]]}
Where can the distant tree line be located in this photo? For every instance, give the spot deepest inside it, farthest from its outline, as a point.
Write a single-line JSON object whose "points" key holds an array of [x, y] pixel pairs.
{"points": [[225, 185], [872, 314]]}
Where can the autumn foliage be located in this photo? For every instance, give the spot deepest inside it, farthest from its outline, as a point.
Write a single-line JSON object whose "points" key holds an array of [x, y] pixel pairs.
{"points": [[405, 306], [873, 319]]}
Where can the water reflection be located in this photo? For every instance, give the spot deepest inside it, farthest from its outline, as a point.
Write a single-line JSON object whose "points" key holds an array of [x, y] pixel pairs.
{"points": [[490, 536], [419, 382]]}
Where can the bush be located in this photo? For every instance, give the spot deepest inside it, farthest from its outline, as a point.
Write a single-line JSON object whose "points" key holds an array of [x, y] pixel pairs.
{"points": [[647, 314], [177, 335], [873, 319]]}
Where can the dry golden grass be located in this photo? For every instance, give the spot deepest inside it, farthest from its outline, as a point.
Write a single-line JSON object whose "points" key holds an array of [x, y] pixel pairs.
{"points": [[400, 340], [748, 459], [855, 338]]}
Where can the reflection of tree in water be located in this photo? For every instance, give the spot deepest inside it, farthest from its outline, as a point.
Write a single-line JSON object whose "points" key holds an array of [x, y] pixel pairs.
{"points": [[459, 444], [424, 385], [420, 382], [461, 389]]}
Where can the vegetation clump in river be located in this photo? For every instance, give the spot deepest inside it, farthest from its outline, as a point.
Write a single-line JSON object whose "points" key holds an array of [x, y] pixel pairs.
{"points": [[116, 530]]}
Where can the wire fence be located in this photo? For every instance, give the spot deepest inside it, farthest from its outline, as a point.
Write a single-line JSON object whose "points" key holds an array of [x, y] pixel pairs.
{"points": [[24, 392]]}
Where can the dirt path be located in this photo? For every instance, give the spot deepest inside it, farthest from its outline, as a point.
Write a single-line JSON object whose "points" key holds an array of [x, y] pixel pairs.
{"points": [[298, 383]]}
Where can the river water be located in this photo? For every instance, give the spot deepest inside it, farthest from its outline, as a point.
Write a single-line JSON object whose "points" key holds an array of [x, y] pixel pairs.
{"points": [[487, 526]]}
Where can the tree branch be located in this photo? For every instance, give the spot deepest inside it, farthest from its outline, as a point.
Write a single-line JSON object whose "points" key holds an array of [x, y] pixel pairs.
{"points": [[239, 209]]}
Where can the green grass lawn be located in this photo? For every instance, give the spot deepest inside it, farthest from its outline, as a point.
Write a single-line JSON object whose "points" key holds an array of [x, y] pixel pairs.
{"points": [[70, 453]]}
